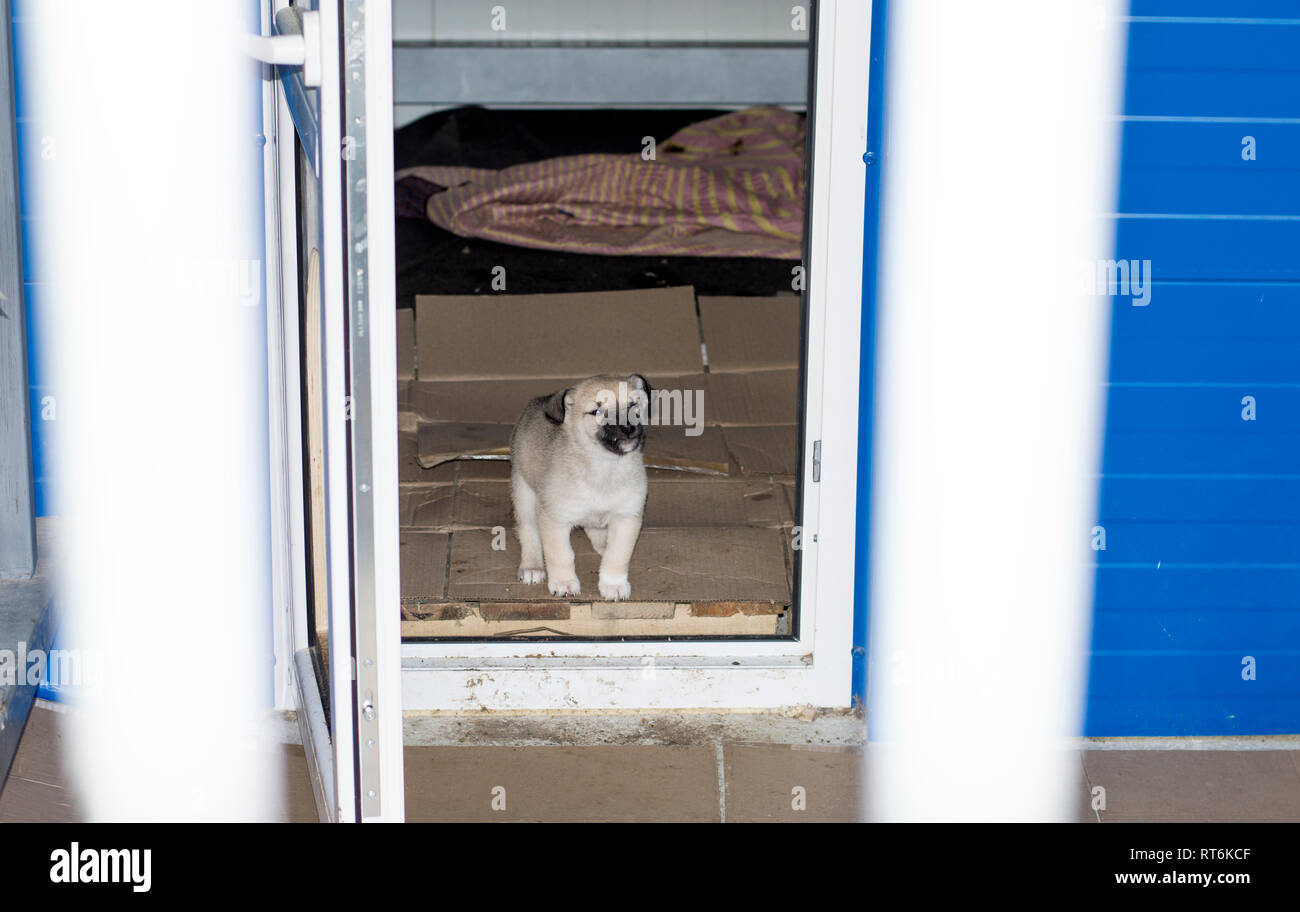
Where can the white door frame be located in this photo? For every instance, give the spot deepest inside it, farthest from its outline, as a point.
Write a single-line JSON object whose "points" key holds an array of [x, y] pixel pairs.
{"points": [[816, 667], [356, 765]]}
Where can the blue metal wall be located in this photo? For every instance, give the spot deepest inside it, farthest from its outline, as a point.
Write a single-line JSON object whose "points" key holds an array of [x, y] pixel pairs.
{"points": [[1200, 577], [33, 145], [1199, 582]]}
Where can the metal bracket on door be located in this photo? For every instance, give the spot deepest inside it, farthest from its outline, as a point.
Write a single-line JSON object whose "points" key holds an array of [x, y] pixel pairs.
{"points": [[294, 50]]}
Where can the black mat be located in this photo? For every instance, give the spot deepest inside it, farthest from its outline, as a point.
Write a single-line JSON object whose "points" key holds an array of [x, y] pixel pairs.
{"points": [[433, 261]]}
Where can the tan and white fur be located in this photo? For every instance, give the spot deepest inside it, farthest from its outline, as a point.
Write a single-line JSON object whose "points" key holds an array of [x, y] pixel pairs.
{"points": [[575, 460]]}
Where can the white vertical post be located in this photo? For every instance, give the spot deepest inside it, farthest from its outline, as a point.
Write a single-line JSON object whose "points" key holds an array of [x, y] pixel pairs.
{"points": [[381, 243], [152, 222], [999, 168]]}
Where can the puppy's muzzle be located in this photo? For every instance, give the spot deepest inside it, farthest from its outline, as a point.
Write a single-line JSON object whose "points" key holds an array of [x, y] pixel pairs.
{"points": [[622, 438]]}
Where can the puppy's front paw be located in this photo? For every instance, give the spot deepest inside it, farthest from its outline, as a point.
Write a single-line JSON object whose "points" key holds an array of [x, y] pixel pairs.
{"points": [[532, 574], [564, 587], [614, 588]]}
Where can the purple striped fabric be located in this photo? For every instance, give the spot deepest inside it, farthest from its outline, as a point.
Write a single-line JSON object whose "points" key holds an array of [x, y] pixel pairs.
{"points": [[731, 186]]}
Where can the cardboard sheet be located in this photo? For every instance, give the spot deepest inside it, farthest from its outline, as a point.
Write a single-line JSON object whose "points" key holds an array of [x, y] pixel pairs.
{"points": [[432, 506], [751, 334], [423, 557], [693, 502], [715, 546], [480, 401], [678, 565], [789, 515], [405, 344], [560, 336], [764, 450], [714, 502], [441, 443], [762, 398], [409, 470]]}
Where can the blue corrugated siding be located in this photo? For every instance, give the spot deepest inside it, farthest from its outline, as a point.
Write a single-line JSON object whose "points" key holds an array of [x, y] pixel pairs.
{"points": [[1202, 508], [44, 406]]}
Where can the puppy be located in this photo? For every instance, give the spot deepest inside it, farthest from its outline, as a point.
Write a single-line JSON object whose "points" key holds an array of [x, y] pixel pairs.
{"points": [[575, 460]]}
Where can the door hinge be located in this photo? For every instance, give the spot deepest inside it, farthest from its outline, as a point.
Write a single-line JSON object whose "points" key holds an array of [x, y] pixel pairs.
{"points": [[817, 460]]}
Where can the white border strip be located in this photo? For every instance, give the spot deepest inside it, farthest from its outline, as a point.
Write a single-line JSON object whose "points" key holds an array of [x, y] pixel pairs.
{"points": [[333, 303], [382, 279]]}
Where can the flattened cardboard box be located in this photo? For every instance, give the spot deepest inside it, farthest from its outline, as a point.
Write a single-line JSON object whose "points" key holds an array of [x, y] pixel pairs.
{"points": [[684, 399], [407, 420], [423, 559], [476, 401], [561, 336], [409, 470], [790, 514], [405, 343], [708, 563], [485, 470], [669, 447], [707, 539], [751, 334], [430, 507], [697, 502], [753, 399], [764, 450], [714, 502], [443, 442]]}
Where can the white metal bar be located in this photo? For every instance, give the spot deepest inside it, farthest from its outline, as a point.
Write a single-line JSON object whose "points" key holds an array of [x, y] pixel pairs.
{"points": [[989, 403], [291, 374], [139, 303], [333, 307], [368, 177], [278, 400], [835, 331], [383, 365]]}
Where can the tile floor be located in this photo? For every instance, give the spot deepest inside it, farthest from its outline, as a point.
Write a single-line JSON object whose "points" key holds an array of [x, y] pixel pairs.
{"points": [[702, 782]]}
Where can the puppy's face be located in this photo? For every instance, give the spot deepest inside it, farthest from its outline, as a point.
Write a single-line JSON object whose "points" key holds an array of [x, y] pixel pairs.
{"points": [[608, 411]]}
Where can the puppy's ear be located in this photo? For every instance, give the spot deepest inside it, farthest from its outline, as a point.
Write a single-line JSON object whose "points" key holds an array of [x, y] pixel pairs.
{"points": [[644, 411], [555, 406]]}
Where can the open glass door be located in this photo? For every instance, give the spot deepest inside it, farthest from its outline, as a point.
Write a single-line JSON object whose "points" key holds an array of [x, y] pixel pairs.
{"points": [[333, 413], [733, 608]]}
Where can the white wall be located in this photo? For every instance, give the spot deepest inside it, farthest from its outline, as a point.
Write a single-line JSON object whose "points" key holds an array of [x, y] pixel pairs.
{"points": [[597, 20], [635, 21]]}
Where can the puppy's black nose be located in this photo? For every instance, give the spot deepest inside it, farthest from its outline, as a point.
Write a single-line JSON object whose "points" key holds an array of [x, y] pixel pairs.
{"points": [[630, 430]]}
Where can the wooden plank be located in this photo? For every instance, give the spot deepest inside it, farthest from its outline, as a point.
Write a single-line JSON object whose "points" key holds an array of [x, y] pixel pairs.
{"points": [[314, 378], [539, 619]]}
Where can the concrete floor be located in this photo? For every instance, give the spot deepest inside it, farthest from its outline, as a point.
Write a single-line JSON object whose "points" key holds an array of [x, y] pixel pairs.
{"points": [[39, 789], [705, 767], [27, 624]]}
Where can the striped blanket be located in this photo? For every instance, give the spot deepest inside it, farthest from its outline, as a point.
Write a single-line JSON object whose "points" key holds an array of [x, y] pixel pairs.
{"points": [[732, 186]]}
